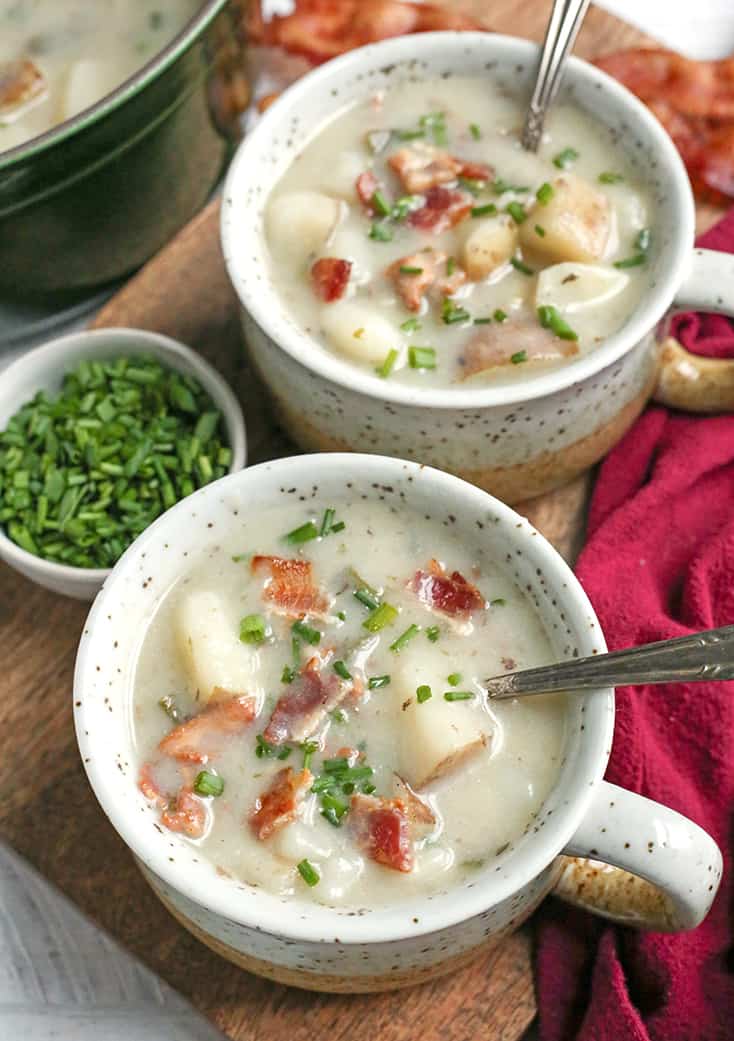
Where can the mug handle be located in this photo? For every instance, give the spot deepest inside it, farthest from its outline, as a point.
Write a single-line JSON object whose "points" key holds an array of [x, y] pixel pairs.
{"points": [[687, 381], [639, 863]]}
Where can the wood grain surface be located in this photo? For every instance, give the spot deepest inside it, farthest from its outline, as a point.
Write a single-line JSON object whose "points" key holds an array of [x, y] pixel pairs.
{"points": [[48, 812]]}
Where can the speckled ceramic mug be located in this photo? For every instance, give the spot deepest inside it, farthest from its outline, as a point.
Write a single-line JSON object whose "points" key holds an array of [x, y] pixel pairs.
{"points": [[514, 441], [674, 867]]}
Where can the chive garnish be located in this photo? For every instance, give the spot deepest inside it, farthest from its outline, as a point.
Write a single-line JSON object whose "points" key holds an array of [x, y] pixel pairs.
{"points": [[407, 269], [309, 748], [564, 158], [409, 135], [305, 533], [252, 628], [521, 266], [472, 185], [308, 873], [381, 617], [404, 638], [607, 177], [499, 187], [388, 364], [264, 750], [499, 601], [433, 632], [450, 265], [499, 315], [540, 230], [207, 783], [634, 261], [550, 318], [452, 313], [375, 682], [517, 211], [238, 558], [312, 636], [545, 193], [410, 325], [341, 670], [482, 321], [402, 207], [328, 525], [643, 240], [288, 674], [381, 231], [380, 204], [422, 357], [338, 715], [423, 693], [366, 597], [169, 706], [435, 122], [487, 210], [341, 615], [457, 695], [475, 132], [454, 679], [519, 357]]}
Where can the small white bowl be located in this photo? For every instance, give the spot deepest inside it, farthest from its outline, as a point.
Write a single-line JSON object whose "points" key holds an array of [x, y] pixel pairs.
{"points": [[44, 369]]}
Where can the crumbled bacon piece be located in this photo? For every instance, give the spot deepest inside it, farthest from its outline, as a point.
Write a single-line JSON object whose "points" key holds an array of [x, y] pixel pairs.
{"points": [[456, 759], [150, 787], [186, 814], [366, 185], [290, 588], [20, 82], [278, 805], [306, 702], [199, 738], [452, 595], [423, 167], [429, 271], [497, 344], [443, 208], [418, 812], [329, 278], [381, 829]]}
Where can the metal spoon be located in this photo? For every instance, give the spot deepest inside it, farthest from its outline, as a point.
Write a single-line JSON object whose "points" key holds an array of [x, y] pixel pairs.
{"points": [[565, 22], [687, 659]]}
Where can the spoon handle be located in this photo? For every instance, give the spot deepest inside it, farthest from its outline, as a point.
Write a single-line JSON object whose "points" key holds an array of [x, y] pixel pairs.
{"points": [[688, 659], [565, 22]]}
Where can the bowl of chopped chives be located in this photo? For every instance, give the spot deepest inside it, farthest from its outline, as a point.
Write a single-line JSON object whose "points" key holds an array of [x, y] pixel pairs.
{"points": [[100, 433]]}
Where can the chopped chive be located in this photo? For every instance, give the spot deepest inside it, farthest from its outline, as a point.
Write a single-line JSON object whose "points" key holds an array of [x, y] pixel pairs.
{"points": [[264, 750], [168, 704], [499, 601], [517, 211], [499, 187], [305, 533], [475, 132], [409, 135], [326, 523], [423, 693], [341, 670], [452, 313], [564, 158], [487, 210], [634, 261], [312, 636], [381, 232], [252, 628], [384, 370], [422, 357], [366, 597], [550, 318], [410, 325], [454, 679], [408, 269], [308, 873], [288, 674], [381, 617], [380, 204], [450, 265], [433, 632], [309, 748], [404, 638], [457, 695], [545, 193], [341, 615], [338, 715], [375, 682], [482, 321], [207, 783], [607, 177], [499, 315], [643, 240], [540, 230], [519, 265], [472, 185], [402, 207], [519, 357]]}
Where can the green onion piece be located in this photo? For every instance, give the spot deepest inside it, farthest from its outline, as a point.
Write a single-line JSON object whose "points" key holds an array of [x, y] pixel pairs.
{"points": [[305, 533], [487, 210], [519, 357], [263, 749], [540, 230], [452, 313], [454, 679], [499, 601], [375, 682], [545, 193], [472, 185], [564, 158], [482, 321], [423, 693], [457, 695], [309, 748], [499, 187], [433, 632], [404, 638], [207, 783], [341, 670], [550, 318], [339, 715], [607, 177], [519, 265], [517, 211], [500, 315], [422, 357], [407, 269], [288, 674], [475, 132], [312, 636], [380, 204], [409, 135], [366, 597], [381, 617], [252, 628], [328, 520], [450, 265], [308, 873], [384, 370], [634, 261], [410, 325], [341, 615], [169, 706], [381, 232], [643, 240], [403, 206]]}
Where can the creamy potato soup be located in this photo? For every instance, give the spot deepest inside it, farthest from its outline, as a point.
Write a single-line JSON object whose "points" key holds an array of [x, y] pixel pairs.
{"points": [[308, 706], [58, 57], [415, 237]]}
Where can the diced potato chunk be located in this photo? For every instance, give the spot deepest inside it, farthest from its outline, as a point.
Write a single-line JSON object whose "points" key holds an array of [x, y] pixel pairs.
{"points": [[213, 654], [576, 222], [575, 287], [301, 223], [356, 331], [490, 244]]}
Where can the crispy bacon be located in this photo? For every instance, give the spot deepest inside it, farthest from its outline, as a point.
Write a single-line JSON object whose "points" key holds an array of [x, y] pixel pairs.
{"points": [[290, 588], [456, 759], [20, 82], [412, 287], [443, 208], [306, 702], [419, 813], [423, 167], [452, 595], [329, 278], [497, 344], [200, 738], [321, 29], [366, 185], [150, 787], [381, 829], [186, 814], [279, 804]]}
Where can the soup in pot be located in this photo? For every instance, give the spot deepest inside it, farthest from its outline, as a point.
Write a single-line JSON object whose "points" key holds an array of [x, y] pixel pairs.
{"points": [[415, 237], [308, 706]]}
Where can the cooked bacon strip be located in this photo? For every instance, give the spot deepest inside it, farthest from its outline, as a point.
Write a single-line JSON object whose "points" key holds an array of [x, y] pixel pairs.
{"points": [[452, 595], [329, 278], [412, 287], [150, 787], [279, 804], [366, 185], [443, 209], [306, 702], [418, 812], [456, 759], [381, 830], [321, 29], [187, 814], [200, 738], [496, 345], [423, 167], [20, 82], [290, 589]]}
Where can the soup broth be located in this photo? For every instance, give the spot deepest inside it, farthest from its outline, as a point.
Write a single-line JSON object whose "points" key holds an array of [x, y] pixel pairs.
{"points": [[330, 737]]}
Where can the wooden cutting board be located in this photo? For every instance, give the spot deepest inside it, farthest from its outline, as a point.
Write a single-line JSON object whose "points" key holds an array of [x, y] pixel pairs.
{"points": [[48, 811]]}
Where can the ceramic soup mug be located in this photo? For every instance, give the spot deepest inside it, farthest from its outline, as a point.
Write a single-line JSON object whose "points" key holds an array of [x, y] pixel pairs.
{"points": [[670, 868], [515, 440]]}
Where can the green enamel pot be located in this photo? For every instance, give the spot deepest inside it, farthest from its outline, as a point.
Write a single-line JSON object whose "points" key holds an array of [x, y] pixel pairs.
{"points": [[94, 197]]}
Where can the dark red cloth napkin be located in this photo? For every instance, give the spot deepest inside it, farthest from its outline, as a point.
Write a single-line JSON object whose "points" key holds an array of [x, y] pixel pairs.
{"points": [[659, 562]]}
